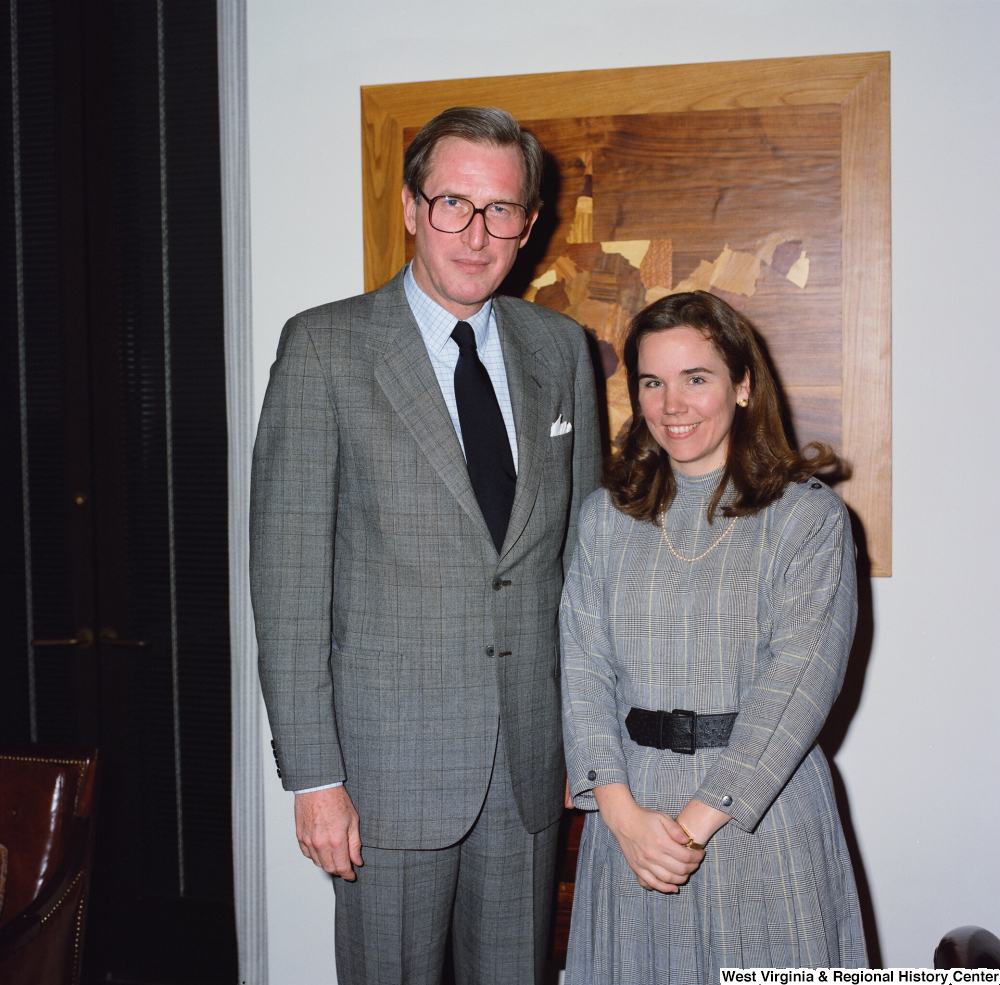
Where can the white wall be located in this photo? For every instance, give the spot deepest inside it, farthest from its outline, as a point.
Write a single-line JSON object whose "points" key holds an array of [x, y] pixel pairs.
{"points": [[920, 761]]}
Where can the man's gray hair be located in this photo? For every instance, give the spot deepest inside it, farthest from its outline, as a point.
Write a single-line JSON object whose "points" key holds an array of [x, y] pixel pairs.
{"points": [[479, 125]]}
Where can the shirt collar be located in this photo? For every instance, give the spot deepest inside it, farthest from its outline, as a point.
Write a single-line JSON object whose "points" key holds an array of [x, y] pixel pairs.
{"points": [[436, 323]]}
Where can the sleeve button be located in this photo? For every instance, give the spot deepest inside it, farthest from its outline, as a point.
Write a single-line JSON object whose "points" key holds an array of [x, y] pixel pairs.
{"points": [[592, 775], [727, 801]]}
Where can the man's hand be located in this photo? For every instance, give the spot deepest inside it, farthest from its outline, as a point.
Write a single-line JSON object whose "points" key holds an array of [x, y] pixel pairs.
{"points": [[652, 843], [326, 825]]}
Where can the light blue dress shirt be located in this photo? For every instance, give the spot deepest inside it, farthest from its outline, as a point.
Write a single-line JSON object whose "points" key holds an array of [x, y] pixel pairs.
{"points": [[436, 325]]}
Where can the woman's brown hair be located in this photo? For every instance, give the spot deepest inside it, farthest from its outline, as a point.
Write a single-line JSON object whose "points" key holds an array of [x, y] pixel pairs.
{"points": [[759, 463]]}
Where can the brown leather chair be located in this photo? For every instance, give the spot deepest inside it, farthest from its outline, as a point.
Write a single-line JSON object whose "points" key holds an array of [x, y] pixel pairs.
{"points": [[968, 947], [47, 796]]}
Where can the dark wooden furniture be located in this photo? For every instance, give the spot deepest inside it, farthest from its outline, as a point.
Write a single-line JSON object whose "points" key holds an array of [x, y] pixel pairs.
{"points": [[47, 797], [570, 830]]}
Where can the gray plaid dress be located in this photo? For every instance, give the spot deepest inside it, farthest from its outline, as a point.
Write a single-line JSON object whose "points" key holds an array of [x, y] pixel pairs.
{"points": [[761, 626]]}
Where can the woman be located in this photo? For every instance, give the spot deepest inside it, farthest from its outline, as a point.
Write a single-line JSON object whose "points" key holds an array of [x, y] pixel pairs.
{"points": [[706, 624]]}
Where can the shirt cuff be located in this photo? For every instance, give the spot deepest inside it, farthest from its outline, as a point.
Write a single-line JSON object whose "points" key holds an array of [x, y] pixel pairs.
{"points": [[326, 786]]}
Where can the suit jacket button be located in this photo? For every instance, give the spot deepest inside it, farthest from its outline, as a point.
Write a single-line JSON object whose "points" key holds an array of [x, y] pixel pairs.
{"points": [[592, 775], [491, 650], [727, 801], [497, 583]]}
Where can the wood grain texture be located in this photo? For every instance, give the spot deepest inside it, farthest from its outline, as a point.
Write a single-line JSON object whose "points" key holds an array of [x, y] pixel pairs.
{"points": [[381, 181], [703, 181], [867, 306], [807, 152], [823, 80]]}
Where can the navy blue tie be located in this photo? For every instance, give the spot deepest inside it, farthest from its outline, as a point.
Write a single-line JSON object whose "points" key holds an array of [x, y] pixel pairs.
{"points": [[484, 435]]}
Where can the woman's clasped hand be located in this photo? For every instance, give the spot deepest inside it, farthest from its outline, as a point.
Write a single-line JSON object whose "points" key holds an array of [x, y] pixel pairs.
{"points": [[652, 842]]}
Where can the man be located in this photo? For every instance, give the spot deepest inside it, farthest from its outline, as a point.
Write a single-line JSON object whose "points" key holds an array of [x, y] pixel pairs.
{"points": [[422, 455]]}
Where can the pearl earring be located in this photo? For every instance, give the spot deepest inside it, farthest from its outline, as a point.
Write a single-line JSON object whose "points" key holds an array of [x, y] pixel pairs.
{"points": [[743, 402]]}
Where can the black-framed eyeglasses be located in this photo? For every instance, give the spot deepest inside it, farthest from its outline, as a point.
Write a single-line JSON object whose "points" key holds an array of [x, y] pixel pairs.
{"points": [[450, 214]]}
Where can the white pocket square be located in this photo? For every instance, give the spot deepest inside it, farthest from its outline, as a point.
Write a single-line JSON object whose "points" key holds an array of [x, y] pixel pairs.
{"points": [[559, 426]]}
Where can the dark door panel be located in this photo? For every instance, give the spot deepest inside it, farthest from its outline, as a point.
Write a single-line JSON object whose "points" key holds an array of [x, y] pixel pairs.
{"points": [[113, 486]]}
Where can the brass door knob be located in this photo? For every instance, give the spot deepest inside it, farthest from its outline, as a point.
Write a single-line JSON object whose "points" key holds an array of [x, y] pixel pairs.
{"points": [[84, 638]]}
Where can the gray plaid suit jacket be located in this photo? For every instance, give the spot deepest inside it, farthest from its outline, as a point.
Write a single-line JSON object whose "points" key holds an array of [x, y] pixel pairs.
{"points": [[392, 638]]}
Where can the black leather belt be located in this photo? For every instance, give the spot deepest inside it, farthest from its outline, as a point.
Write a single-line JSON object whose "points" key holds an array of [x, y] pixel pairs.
{"points": [[679, 730]]}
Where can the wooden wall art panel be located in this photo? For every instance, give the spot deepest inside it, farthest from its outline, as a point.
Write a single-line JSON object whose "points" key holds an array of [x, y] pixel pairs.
{"points": [[765, 182]]}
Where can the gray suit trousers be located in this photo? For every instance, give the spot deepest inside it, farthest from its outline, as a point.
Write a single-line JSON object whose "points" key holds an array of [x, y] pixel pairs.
{"points": [[494, 889]]}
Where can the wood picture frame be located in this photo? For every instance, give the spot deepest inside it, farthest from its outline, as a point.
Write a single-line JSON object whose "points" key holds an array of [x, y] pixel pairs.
{"points": [[853, 87]]}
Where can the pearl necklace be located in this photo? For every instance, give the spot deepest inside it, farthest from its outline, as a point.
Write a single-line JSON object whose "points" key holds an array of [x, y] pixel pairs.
{"points": [[689, 560]]}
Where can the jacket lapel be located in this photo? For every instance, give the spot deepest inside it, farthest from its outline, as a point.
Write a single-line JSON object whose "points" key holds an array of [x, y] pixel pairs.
{"points": [[527, 377], [407, 379]]}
